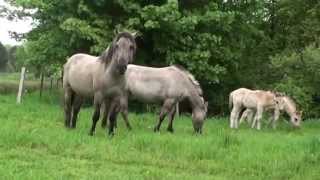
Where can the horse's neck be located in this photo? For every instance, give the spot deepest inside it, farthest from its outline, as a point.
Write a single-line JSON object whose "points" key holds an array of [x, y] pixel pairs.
{"points": [[195, 100], [110, 77], [289, 107], [111, 69]]}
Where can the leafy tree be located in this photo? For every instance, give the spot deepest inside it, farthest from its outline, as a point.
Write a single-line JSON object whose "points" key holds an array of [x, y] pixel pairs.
{"points": [[225, 44], [3, 57]]}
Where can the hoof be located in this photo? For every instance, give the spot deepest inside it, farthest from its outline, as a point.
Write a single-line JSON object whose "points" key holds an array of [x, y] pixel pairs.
{"points": [[111, 134], [91, 133], [156, 129], [170, 130]]}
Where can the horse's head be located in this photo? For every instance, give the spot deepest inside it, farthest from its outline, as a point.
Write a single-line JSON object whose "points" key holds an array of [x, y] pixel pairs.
{"points": [[295, 118], [198, 117], [288, 105], [121, 51]]}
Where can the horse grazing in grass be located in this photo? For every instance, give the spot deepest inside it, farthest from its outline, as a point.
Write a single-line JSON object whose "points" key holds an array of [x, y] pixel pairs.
{"points": [[286, 104], [255, 100], [99, 77], [167, 85]]}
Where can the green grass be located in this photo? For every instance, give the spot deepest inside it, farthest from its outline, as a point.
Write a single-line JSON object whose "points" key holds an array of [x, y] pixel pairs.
{"points": [[35, 145]]}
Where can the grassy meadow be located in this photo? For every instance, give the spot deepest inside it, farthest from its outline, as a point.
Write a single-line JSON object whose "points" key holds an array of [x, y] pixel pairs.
{"points": [[35, 145]]}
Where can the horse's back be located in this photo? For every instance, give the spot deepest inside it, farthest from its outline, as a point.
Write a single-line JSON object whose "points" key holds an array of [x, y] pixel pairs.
{"points": [[153, 84], [78, 73]]}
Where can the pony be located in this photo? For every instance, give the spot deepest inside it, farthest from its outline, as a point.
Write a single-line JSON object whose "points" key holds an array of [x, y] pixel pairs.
{"points": [[286, 104], [256, 100], [167, 85], [102, 78]]}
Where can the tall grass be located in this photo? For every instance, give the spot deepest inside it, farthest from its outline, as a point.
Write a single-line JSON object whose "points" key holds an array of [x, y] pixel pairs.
{"points": [[35, 145]]}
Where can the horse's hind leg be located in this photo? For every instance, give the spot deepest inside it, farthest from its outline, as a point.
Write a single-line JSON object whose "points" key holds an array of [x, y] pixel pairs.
{"points": [[76, 108], [171, 118], [257, 118], [68, 101], [234, 116], [124, 111], [167, 105], [124, 114]]}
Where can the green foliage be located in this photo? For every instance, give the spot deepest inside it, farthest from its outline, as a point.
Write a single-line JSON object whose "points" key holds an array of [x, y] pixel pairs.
{"points": [[300, 77], [3, 57], [225, 44]]}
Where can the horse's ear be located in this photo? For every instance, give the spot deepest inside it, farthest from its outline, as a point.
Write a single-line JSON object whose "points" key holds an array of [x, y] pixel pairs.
{"points": [[135, 34]]}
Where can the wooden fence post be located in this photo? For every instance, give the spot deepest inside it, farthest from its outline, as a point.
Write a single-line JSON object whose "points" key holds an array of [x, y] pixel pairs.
{"points": [[22, 76], [51, 83], [41, 84]]}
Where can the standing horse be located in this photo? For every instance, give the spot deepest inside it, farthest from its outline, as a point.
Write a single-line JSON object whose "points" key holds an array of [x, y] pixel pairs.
{"points": [[99, 77], [286, 104], [256, 100], [168, 85]]}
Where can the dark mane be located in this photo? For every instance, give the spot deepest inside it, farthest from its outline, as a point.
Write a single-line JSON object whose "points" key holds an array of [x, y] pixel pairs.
{"points": [[191, 78], [284, 95], [278, 94]]}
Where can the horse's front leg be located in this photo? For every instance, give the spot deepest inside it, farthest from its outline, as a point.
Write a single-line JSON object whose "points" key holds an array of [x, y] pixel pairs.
{"points": [[171, 118], [105, 117], [275, 117], [112, 120], [167, 105], [96, 115], [258, 117], [244, 115], [124, 111]]}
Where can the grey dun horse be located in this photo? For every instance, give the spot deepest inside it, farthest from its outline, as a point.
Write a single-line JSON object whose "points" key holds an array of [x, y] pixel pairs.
{"points": [[167, 85], [99, 77]]}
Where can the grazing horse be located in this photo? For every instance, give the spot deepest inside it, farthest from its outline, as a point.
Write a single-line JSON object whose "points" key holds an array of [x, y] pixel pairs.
{"points": [[286, 104], [99, 77], [256, 100], [167, 85]]}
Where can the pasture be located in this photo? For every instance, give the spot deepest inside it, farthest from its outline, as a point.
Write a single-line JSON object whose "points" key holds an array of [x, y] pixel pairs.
{"points": [[34, 144]]}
